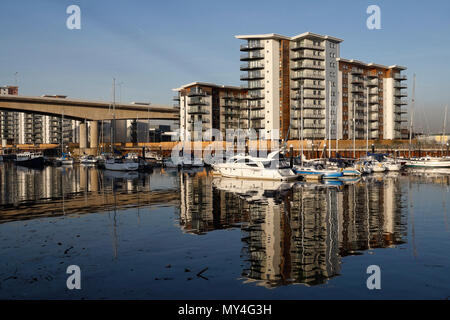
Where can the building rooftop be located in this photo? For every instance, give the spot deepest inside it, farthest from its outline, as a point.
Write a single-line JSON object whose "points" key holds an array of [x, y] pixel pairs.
{"points": [[371, 64], [206, 84], [277, 36]]}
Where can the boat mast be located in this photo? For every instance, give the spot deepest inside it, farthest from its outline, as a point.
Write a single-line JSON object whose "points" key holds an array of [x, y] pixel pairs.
{"points": [[301, 122], [444, 128], [412, 114], [113, 134], [367, 120], [62, 133], [329, 119], [354, 121]]}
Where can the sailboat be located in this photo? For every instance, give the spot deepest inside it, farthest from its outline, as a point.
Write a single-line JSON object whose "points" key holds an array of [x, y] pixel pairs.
{"points": [[118, 163], [432, 162]]}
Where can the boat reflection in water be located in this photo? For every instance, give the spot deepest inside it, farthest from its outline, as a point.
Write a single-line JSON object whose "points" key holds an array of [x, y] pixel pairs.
{"points": [[296, 232]]}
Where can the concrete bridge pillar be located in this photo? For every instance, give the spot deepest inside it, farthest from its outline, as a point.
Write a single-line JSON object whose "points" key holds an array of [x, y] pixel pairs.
{"points": [[83, 136], [94, 134]]}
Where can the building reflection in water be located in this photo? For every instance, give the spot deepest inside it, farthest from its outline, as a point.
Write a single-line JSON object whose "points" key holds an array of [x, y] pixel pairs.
{"points": [[295, 232], [27, 193]]}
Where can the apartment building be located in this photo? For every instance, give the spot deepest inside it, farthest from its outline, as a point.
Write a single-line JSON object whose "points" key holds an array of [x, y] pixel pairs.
{"points": [[284, 75], [211, 106], [372, 97], [28, 128]]}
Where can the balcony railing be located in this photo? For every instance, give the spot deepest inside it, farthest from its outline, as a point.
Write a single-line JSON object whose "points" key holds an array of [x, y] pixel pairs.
{"points": [[252, 76], [400, 101], [196, 92], [253, 85], [307, 65], [252, 56], [252, 66], [198, 110], [307, 45], [252, 46], [197, 101], [400, 93], [307, 75], [400, 85], [306, 55], [356, 71], [307, 85], [357, 80], [398, 76]]}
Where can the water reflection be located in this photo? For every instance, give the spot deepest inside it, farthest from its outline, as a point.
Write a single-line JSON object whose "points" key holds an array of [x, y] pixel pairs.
{"points": [[54, 191], [296, 232], [291, 233]]}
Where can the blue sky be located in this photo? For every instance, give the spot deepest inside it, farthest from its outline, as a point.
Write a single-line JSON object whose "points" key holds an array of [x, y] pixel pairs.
{"points": [[153, 46]]}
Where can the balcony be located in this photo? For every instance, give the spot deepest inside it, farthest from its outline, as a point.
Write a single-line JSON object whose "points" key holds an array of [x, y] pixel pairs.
{"points": [[400, 93], [176, 98], [302, 55], [198, 110], [197, 101], [253, 85], [252, 56], [307, 45], [252, 66], [255, 96], [252, 46], [308, 115], [372, 83], [307, 85], [307, 75], [400, 101], [307, 65], [313, 96], [357, 79], [373, 117], [257, 115], [196, 92], [311, 106], [314, 126], [356, 71], [252, 76], [357, 89], [373, 126], [373, 92], [398, 76], [400, 85]]}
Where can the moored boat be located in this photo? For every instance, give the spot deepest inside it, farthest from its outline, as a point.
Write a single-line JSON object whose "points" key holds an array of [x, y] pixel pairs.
{"points": [[119, 164], [249, 167], [30, 159]]}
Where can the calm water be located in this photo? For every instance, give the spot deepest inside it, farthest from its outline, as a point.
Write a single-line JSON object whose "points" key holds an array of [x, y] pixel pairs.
{"points": [[148, 236]]}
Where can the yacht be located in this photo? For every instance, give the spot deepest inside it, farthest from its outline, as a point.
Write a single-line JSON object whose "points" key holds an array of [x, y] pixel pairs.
{"points": [[119, 164], [249, 167], [65, 160], [429, 162], [30, 159], [312, 168], [88, 160]]}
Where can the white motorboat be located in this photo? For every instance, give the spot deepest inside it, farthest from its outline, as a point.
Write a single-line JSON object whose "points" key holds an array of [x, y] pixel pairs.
{"points": [[30, 159], [88, 160], [119, 164], [392, 166], [429, 162], [65, 160], [377, 166], [249, 167]]}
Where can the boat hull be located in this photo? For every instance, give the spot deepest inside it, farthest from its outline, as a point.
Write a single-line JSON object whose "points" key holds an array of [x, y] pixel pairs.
{"points": [[37, 162], [132, 166]]}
